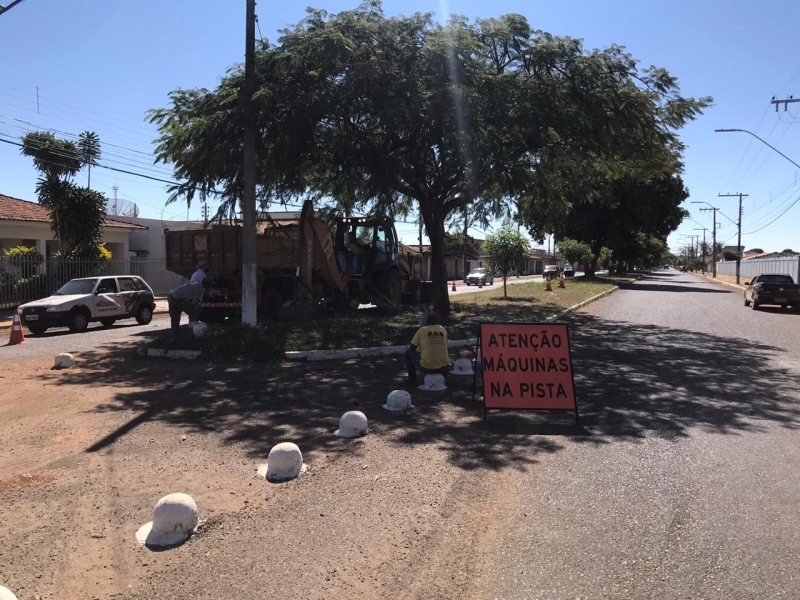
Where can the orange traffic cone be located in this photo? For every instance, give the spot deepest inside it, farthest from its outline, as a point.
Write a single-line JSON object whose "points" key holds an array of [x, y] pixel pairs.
{"points": [[548, 287], [17, 337], [454, 286], [561, 282]]}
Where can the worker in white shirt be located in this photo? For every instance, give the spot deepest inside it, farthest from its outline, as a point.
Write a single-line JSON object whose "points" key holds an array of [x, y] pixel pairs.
{"points": [[200, 274], [186, 298]]}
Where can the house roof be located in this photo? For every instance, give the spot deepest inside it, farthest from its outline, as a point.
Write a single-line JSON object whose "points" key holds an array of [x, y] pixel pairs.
{"points": [[14, 209]]}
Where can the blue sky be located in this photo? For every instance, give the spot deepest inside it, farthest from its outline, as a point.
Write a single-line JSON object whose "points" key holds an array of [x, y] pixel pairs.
{"points": [[101, 65]]}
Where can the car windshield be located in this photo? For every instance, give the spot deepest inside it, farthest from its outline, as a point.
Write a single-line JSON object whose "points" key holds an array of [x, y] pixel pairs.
{"points": [[77, 286]]}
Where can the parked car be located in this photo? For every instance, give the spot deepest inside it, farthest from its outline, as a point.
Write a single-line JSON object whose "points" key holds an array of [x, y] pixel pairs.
{"points": [[772, 289], [551, 271], [81, 301], [569, 271], [479, 276]]}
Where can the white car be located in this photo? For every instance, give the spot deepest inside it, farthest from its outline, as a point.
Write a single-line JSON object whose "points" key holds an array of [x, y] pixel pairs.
{"points": [[479, 276], [81, 301]]}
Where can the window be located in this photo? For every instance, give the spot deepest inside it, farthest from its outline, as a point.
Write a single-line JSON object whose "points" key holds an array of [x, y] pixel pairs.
{"points": [[126, 284], [141, 286], [107, 286]]}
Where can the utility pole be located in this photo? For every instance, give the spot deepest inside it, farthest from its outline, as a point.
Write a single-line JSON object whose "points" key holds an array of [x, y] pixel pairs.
{"points": [[714, 236], [9, 7], [249, 256], [703, 229], [786, 103], [739, 225]]}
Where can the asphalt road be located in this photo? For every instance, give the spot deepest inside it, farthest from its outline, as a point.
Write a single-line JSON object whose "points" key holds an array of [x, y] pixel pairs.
{"points": [[55, 341], [684, 483]]}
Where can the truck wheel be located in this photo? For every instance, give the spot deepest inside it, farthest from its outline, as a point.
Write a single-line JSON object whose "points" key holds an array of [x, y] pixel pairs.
{"points": [[37, 329], [391, 285], [107, 322], [144, 315], [78, 321]]}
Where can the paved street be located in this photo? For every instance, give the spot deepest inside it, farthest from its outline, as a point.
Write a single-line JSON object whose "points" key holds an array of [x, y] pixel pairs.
{"points": [[685, 485], [96, 337]]}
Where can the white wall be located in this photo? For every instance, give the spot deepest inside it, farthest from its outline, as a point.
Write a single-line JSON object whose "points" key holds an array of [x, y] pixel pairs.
{"points": [[12, 233], [757, 266]]}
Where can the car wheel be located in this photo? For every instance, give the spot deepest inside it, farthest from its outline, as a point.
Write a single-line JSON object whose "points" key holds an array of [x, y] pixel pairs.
{"points": [[36, 329], [144, 315], [107, 322], [78, 321]]}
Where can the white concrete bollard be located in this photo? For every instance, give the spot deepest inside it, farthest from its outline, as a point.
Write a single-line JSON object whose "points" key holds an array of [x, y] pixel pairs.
{"points": [[434, 383], [352, 424], [398, 401], [64, 361], [6, 594], [462, 366], [174, 521], [285, 462], [199, 329]]}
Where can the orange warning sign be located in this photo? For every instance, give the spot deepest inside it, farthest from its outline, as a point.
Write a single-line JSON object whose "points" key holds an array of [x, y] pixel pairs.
{"points": [[526, 366]]}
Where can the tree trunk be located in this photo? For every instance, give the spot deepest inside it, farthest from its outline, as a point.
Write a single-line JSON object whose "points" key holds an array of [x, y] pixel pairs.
{"points": [[591, 268], [435, 226], [505, 278]]}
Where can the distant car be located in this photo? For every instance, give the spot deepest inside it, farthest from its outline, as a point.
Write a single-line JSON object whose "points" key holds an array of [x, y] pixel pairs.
{"points": [[81, 301], [569, 271], [683, 269], [479, 276], [551, 271], [772, 289]]}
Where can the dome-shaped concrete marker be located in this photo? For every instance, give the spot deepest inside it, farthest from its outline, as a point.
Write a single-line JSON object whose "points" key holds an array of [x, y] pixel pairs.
{"points": [[434, 383], [353, 424], [64, 361], [6, 594], [398, 401], [285, 462], [174, 521], [199, 329], [462, 366]]}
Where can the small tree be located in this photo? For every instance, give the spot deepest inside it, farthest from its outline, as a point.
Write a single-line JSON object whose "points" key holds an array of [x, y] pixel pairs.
{"points": [[506, 250], [574, 251], [606, 258], [23, 258], [730, 255]]}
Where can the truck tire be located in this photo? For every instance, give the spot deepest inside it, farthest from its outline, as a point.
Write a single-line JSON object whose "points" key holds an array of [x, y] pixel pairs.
{"points": [[78, 320], [414, 295], [390, 284]]}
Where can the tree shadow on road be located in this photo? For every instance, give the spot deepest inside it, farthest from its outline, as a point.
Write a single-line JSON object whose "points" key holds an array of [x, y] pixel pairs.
{"points": [[632, 381]]}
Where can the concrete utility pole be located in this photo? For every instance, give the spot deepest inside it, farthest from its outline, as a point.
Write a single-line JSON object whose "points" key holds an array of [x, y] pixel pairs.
{"points": [[703, 229], [249, 256], [713, 234], [739, 225], [9, 7]]}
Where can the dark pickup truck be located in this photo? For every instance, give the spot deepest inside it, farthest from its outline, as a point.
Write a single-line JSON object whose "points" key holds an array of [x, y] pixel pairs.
{"points": [[772, 289]]}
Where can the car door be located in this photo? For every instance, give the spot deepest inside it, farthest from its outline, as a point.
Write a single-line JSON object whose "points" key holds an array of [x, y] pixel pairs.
{"points": [[129, 292], [107, 299]]}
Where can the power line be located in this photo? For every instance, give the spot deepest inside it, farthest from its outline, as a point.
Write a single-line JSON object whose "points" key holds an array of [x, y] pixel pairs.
{"points": [[776, 218]]}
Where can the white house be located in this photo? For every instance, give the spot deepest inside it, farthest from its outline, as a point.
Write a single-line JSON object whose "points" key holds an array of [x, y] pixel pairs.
{"points": [[24, 223]]}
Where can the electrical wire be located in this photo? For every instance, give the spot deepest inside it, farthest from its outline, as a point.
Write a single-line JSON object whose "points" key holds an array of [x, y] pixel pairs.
{"points": [[775, 219]]}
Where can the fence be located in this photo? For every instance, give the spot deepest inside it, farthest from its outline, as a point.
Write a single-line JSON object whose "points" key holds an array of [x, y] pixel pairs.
{"points": [[757, 266], [26, 279]]}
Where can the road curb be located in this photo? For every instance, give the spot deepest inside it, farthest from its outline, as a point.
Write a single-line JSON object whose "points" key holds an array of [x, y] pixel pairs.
{"points": [[733, 285], [575, 307]]}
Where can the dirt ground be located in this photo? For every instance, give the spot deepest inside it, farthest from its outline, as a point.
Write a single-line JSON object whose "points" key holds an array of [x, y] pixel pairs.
{"points": [[410, 511]]}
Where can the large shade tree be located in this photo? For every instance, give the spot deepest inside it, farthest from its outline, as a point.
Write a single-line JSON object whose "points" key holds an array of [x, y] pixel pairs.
{"points": [[362, 109]]}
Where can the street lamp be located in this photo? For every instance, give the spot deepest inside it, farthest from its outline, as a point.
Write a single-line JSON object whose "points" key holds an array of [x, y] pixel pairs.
{"points": [[759, 139]]}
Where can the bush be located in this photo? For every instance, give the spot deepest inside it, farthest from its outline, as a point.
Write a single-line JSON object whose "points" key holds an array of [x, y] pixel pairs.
{"points": [[25, 259]]}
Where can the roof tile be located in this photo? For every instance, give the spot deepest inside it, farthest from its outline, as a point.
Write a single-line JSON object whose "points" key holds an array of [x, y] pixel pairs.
{"points": [[14, 209]]}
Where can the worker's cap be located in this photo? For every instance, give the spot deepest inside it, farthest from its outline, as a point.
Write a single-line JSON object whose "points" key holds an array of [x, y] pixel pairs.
{"points": [[433, 318], [207, 282]]}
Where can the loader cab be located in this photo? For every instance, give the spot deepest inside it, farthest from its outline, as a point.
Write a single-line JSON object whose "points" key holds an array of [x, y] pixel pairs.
{"points": [[364, 245]]}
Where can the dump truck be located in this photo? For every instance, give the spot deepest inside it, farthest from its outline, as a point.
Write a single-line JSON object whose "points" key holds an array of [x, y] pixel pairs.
{"points": [[304, 266]]}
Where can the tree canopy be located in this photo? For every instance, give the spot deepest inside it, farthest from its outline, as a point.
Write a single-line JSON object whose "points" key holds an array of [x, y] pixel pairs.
{"points": [[574, 251], [366, 109]]}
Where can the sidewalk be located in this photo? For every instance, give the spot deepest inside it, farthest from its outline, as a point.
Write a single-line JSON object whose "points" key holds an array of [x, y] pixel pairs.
{"points": [[726, 279], [7, 316]]}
